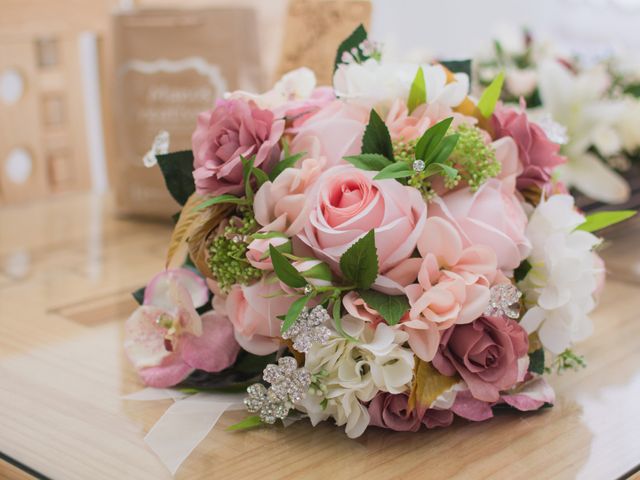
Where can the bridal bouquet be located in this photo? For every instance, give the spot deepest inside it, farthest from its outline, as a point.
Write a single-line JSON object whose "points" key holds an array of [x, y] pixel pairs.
{"points": [[589, 105], [387, 252]]}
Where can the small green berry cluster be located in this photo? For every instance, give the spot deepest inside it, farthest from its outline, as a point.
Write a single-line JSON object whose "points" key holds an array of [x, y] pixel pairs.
{"points": [[473, 157], [228, 250], [567, 360], [404, 151]]}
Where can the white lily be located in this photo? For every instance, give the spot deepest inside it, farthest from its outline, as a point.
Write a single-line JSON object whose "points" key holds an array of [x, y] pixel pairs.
{"points": [[576, 101]]}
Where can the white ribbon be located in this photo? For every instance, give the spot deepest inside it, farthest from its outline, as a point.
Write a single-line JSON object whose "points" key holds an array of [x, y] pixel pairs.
{"points": [[185, 423]]}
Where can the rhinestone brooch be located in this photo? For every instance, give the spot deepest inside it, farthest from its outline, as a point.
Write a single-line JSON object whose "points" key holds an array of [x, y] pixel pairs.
{"points": [[289, 384], [504, 301], [418, 165], [309, 329]]}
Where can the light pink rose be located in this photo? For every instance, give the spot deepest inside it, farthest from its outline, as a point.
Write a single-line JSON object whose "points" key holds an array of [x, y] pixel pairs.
{"points": [[485, 353], [453, 285], [253, 311], [346, 203], [281, 205], [333, 132], [538, 155], [258, 251], [358, 308], [232, 129], [166, 339], [492, 216]]}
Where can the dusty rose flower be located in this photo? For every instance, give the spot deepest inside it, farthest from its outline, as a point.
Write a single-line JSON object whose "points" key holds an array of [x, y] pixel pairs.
{"points": [[390, 411], [538, 155], [233, 129], [485, 353]]}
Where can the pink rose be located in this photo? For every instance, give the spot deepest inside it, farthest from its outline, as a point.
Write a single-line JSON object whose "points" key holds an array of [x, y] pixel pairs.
{"points": [[485, 353], [390, 411], [280, 205], [538, 155], [166, 339], [253, 311], [333, 132], [492, 216], [453, 285], [358, 308], [346, 203], [234, 128], [258, 251]]}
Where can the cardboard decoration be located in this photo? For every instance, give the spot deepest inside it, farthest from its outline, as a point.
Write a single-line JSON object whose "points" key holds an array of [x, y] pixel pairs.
{"points": [[170, 65]]}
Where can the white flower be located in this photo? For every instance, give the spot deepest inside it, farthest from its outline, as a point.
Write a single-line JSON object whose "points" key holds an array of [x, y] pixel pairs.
{"points": [[294, 85], [578, 103], [558, 290], [627, 124], [347, 373], [372, 83], [521, 82]]}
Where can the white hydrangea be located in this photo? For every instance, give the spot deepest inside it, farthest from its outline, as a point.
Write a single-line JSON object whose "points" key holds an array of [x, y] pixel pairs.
{"points": [[559, 288], [346, 373], [373, 83]]}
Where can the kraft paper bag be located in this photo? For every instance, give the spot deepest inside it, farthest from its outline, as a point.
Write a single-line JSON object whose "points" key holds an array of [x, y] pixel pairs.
{"points": [[170, 65]]}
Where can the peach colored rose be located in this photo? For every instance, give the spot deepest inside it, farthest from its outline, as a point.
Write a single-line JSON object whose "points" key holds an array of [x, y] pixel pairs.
{"points": [[253, 311], [346, 203], [258, 251], [280, 205], [333, 132], [358, 308], [492, 216], [234, 128], [404, 126], [453, 285]]}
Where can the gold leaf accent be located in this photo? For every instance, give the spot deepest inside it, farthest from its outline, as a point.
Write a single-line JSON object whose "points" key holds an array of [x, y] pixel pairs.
{"points": [[178, 245], [428, 384], [200, 233]]}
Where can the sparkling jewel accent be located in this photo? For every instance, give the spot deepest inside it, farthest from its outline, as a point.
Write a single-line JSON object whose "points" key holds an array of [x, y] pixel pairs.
{"points": [[309, 329], [418, 165], [308, 289], [555, 132], [504, 301], [289, 384]]}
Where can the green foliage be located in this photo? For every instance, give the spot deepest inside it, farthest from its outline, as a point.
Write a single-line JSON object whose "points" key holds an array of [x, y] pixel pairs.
{"points": [[294, 311], [490, 96], [138, 295], [567, 360], [284, 270], [522, 270], [458, 66], [429, 144], [536, 361], [395, 170], [369, 161], [177, 170], [359, 264], [418, 92], [391, 307], [249, 422], [354, 40], [226, 198], [283, 164], [376, 138], [599, 220]]}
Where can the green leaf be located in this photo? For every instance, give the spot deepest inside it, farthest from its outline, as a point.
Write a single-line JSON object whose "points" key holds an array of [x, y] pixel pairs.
{"points": [[359, 264], [320, 271], [138, 295], [395, 170], [490, 96], [536, 361], [391, 307], [522, 270], [458, 66], [284, 270], [226, 198], [430, 140], [249, 422], [441, 169], [260, 176], [337, 320], [376, 138], [418, 92], [177, 169], [599, 220], [369, 161], [358, 36], [444, 149], [267, 235], [293, 313], [285, 163]]}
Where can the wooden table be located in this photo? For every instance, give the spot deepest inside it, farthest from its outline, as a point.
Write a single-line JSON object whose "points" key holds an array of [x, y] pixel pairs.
{"points": [[66, 270]]}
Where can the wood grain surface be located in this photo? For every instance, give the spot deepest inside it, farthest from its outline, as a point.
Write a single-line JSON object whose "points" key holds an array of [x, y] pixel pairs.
{"points": [[66, 270]]}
